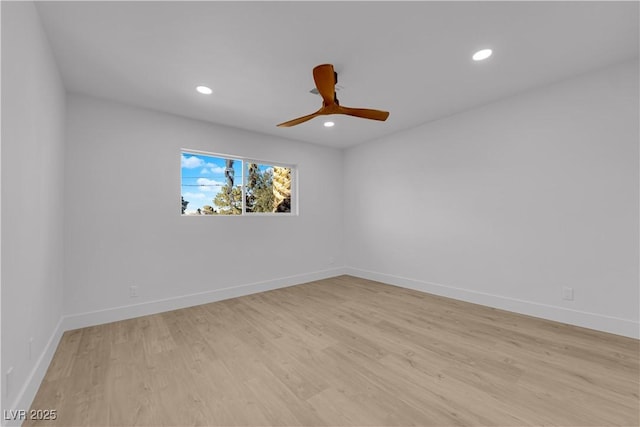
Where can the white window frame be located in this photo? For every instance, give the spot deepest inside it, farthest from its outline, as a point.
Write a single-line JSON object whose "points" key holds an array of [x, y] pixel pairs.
{"points": [[244, 161]]}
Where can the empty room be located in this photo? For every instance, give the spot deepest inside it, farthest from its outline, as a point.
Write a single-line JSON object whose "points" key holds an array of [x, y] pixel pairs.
{"points": [[391, 213]]}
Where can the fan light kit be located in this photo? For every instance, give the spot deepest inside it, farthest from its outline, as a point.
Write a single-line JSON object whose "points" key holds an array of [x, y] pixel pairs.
{"points": [[329, 124], [204, 90], [482, 54], [326, 78]]}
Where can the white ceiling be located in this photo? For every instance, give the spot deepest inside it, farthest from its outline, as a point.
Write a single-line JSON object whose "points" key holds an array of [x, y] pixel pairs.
{"points": [[410, 58]]}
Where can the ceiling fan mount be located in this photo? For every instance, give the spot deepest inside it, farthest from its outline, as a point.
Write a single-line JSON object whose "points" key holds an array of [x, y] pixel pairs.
{"points": [[326, 79]]}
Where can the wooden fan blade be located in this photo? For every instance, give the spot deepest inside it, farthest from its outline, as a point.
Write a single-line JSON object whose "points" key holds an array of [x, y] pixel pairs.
{"points": [[299, 120], [325, 79], [364, 113]]}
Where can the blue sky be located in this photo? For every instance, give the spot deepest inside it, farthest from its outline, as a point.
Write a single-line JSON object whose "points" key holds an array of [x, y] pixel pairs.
{"points": [[203, 177]]}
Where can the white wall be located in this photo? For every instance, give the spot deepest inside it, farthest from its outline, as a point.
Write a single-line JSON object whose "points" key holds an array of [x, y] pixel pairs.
{"points": [[123, 226], [502, 205], [506, 204], [33, 102]]}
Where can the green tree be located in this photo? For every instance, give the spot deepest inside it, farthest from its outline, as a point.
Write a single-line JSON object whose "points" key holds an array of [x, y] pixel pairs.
{"points": [[207, 210], [281, 189], [184, 204], [229, 205], [259, 190]]}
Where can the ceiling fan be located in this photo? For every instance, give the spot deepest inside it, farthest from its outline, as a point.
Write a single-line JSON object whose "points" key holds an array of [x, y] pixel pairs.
{"points": [[326, 79]]}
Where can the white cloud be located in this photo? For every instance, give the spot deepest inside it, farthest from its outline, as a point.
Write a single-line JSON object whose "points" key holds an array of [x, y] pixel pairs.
{"points": [[209, 184], [194, 196], [204, 171], [191, 162], [215, 168]]}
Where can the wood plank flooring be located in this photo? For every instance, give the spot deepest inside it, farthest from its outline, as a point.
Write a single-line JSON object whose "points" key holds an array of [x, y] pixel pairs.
{"points": [[341, 352]]}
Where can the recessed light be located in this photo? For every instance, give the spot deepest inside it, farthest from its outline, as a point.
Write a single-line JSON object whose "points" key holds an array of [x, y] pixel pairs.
{"points": [[204, 90], [328, 124], [482, 54]]}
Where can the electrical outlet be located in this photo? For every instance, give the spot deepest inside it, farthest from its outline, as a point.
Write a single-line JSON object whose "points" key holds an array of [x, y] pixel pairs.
{"points": [[567, 293], [133, 291]]}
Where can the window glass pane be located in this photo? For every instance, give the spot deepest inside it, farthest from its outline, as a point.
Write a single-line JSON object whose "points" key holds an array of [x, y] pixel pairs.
{"points": [[268, 188], [210, 185]]}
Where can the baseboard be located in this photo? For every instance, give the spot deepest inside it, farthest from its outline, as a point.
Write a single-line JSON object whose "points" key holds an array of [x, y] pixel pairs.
{"points": [[28, 391], [83, 320], [588, 320], [595, 321], [30, 388]]}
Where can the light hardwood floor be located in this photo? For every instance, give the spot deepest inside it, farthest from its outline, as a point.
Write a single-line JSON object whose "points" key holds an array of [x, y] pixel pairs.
{"points": [[341, 351]]}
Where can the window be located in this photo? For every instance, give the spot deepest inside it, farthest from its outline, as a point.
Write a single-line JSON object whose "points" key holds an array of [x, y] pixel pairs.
{"points": [[225, 185]]}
